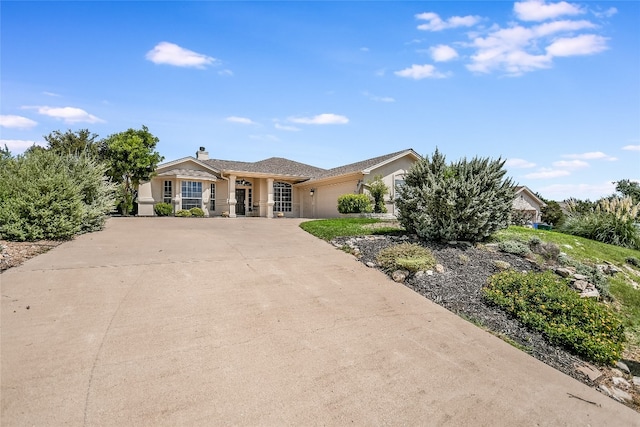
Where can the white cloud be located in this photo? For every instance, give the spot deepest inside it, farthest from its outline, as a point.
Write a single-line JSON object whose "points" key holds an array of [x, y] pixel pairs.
{"points": [[571, 164], [443, 53], [546, 173], [435, 23], [418, 72], [18, 146], [519, 163], [631, 147], [585, 44], [538, 10], [592, 155], [607, 13], [172, 54], [321, 119], [17, 122], [51, 94], [378, 98], [241, 120], [505, 49], [225, 72], [68, 114], [287, 128], [554, 27]]}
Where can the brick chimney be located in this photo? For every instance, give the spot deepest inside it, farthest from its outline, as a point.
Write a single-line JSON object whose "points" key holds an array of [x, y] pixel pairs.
{"points": [[202, 154]]}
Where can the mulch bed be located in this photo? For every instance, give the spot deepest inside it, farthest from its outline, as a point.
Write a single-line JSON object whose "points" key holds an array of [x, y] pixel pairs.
{"points": [[458, 289]]}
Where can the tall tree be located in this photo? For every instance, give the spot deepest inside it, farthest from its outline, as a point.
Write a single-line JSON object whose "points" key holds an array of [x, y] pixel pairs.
{"points": [[629, 188], [70, 142], [131, 158]]}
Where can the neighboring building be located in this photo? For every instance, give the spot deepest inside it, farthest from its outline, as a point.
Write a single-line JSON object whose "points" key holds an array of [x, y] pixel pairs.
{"points": [[530, 204], [267, 188]]}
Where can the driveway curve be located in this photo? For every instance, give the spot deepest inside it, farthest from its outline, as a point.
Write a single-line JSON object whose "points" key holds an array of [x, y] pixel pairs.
{"points": [[174, 321]]}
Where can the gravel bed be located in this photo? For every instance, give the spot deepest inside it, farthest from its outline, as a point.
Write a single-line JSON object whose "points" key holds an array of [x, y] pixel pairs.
{"points": [[466, 269]]}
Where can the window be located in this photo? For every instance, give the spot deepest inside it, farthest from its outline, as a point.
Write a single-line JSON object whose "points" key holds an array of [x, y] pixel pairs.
{"points": [[398, 184], [191, 194], [167, 192], [282, 197], [212, 198]]}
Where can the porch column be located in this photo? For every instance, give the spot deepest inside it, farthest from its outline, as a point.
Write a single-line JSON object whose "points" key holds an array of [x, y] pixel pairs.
{"points": [[232, 196], [270, 198]]}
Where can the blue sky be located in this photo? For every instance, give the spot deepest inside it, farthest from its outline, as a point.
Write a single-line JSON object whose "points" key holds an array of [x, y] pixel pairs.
{"points": [[553, 87]]}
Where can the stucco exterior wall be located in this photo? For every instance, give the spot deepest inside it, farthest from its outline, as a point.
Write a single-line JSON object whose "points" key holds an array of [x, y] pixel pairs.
{"points": [[325, 203]]}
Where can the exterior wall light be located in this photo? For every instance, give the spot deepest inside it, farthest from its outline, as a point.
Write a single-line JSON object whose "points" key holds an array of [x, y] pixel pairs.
{"points": [[313, 190]]}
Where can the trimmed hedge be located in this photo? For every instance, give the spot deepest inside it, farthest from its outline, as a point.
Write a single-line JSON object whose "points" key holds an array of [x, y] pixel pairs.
{"points": [[354, 203], [163, 209]]}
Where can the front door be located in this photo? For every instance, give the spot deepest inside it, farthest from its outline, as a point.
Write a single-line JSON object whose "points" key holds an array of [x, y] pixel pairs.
{"points": [[240, 201]]}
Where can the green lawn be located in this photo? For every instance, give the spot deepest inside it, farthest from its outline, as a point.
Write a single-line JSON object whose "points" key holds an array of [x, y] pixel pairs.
{"points": [[328, 229], [626, 297]]}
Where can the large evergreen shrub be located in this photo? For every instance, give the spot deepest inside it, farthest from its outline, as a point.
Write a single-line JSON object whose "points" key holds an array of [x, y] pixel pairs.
{"points": [[465, 200], [46, 195]]}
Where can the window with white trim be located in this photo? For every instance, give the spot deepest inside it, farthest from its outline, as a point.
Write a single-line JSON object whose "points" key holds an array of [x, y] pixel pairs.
{"points": [[282, 197], [212, 198], [191, 194], [167, 192]]}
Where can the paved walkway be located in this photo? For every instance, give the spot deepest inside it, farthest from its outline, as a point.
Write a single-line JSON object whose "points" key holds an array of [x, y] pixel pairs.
{"points": [[173, 321]]}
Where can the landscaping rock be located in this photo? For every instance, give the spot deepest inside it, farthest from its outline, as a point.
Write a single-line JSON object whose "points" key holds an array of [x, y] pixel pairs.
{"points": [[580, 277], [399, 275], [620, 395], [590, 293], [563, 272], [590, 371], [621, 382], [580, 285], [371, 264], [439, 268], [623, 367], [636, 381]]}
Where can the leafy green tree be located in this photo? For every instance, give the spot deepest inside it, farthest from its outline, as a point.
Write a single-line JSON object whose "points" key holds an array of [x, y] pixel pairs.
{"points": [[465, 200], [131, 158], [552, 213], [629, 188], [378, 189], [70, 142]]}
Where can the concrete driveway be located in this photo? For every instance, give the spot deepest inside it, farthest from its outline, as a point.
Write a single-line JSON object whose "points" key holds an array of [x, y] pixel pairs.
{"points": [[173, 321]]}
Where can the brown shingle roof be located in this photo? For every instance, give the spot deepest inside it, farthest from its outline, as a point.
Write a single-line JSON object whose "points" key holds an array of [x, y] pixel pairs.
{"points": [[273, 165]]}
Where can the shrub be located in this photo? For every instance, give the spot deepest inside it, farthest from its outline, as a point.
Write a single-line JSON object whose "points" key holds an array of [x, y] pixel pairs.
{"points": [[51, 196], [466, 200], [408, 256], [163, 209], [197, 212], [548, 250], [354, 203], [183, 213], [513, 247], [609, 221], [378, 189], [545, 303], [633, 261]]}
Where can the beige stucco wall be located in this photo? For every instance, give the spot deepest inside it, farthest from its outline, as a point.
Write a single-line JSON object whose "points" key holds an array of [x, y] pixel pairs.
{"points": [[524, 202]]}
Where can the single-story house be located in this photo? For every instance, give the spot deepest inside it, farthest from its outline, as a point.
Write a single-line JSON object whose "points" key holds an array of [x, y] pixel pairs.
{"points": [[267, 188], [529, 204]]}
